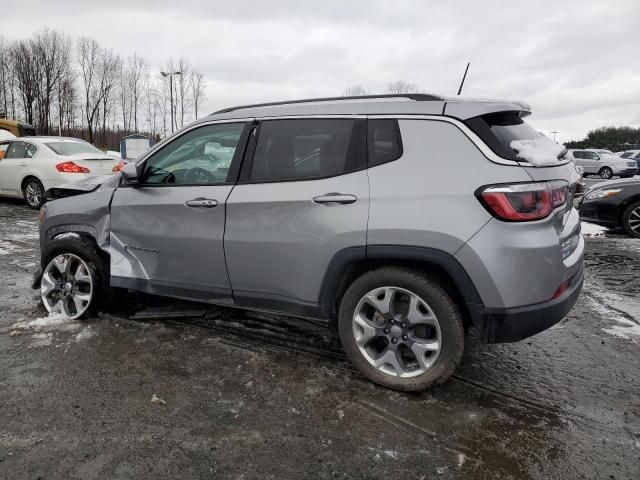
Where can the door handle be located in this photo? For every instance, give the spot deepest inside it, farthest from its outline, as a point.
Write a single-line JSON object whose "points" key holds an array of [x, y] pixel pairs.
{"points": [[335, 198], [202, 202], [22, 164]]}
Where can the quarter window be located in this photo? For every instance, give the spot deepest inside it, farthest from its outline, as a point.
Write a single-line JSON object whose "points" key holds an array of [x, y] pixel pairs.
{"points": [[307, 148], [383, 141], [201, 156]]}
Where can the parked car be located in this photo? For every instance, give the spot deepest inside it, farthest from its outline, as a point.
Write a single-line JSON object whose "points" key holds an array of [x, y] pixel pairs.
{"points": [[605, 165], [613, 204], [29, 166], [632, 155], [350, 211]]}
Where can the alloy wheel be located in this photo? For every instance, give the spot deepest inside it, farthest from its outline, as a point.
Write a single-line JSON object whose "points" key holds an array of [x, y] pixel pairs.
{"points": [[634, 220], [67, 286], [606, 173], [397, 332], [33, 194]]}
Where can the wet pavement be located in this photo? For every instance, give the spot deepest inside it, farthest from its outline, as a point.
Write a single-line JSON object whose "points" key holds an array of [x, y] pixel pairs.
{"points": [[239, 395]]}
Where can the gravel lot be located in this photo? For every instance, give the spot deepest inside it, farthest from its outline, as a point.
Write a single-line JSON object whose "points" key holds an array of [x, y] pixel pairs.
{"points": [[245, 396]]}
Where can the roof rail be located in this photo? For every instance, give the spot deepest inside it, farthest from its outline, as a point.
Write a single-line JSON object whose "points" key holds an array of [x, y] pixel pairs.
{"points": [[423, 97]]}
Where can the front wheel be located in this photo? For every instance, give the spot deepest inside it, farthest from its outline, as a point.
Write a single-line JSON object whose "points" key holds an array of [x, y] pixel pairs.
{"points": [[401, 329], [606, 173], [631, 220], [73, 277]]}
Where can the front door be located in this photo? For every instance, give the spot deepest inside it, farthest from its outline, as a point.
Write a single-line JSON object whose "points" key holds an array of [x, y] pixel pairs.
{"points": [[301, 201], [167, 231]]}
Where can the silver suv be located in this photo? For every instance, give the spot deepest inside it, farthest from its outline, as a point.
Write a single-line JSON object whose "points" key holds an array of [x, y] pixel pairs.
{"points": [[602, 163], [401, 221]]}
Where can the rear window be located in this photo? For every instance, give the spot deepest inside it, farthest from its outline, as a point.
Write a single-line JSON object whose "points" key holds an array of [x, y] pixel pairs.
{"points": [[73, 148], [498, 130]]}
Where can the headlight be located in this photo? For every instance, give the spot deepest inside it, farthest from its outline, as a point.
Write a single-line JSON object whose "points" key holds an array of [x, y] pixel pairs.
{"points": [[609, 192]]}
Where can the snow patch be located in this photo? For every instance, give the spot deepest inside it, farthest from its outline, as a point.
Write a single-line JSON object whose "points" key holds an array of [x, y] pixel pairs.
{"points": [[629, 330], [54, 321], [62, 236], [538, 151], [41, 339], [592, 230], [620, 308]]}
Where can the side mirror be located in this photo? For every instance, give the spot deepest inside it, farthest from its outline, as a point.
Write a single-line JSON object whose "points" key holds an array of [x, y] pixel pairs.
{"points": [[130, 173]]}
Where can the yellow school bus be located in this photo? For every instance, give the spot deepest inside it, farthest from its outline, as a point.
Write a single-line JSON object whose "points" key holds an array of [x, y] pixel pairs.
{"points": [[17, 128]]}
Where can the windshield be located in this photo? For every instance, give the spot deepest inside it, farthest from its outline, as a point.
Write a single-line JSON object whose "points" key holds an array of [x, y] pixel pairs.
{"points": [[73, 148]]}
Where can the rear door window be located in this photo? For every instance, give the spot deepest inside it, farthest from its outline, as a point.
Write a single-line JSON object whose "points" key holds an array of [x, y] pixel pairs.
{"points": [[17, 150], [304, 149], [3, 149], [384, 143]]}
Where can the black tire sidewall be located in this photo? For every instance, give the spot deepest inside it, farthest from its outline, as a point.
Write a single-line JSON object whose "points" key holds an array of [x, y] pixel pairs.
{"points": [[625, 220], [445, 309], [87, 250]]}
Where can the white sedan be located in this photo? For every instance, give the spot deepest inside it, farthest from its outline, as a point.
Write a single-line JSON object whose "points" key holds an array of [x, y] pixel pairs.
{"points": [[31, 165]]}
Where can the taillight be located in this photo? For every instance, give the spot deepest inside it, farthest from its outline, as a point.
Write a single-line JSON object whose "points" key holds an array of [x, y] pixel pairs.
{"points": [[524, 202], [118, 167], [70, 167]]}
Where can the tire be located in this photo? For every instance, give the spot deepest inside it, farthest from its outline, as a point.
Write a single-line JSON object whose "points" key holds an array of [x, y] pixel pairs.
{"points": [[368, 355], [84, 269], [33, 193], [606, 173], [631, 220]]}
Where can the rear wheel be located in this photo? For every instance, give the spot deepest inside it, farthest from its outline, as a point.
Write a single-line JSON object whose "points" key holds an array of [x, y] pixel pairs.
{"points": [[631, 220], [73, 277], [606, 173], [33, 193], [401, 329]]}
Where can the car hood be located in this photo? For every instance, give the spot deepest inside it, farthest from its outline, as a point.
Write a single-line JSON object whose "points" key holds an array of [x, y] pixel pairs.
{"points": [[623, 182], [85, 185]]}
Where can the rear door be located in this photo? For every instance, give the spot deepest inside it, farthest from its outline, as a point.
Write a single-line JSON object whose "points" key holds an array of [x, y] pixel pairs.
{"points": [[303, 198], [13, 165], [167, 232]]}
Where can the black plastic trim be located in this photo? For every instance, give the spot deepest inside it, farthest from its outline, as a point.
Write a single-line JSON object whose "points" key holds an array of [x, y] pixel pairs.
{"points": [[278, 304], [514, 324]]}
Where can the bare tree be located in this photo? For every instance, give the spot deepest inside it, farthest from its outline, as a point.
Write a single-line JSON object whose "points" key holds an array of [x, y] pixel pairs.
{"points": [[355, 90], [138, 78], [99, 72], [26, 76], [402, 86], [197, 87]]}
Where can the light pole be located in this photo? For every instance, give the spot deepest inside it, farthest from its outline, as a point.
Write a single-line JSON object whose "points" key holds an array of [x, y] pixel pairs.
{"points": [[170, 75], [554, 134]]}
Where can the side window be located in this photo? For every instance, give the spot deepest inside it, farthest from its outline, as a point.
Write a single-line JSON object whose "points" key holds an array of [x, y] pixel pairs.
{"points": [[303, 149], [592, 155], [17, 150], [384, 143], [202, 156], [3, 150], [577, 154]]}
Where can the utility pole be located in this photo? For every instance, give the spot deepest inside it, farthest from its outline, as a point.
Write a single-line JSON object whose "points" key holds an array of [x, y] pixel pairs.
{"points": [[170, 75], [554, 134]]}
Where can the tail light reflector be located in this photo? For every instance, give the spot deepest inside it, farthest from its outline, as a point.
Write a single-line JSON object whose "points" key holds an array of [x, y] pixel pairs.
{"points": [[118, 167], [524, 202], [70, 167]]}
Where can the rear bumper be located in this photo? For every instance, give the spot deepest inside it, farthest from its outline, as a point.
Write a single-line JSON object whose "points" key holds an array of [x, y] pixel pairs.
{"points": [[514, 324]]}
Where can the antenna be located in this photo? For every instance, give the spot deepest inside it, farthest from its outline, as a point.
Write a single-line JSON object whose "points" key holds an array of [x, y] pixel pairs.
{"points": [[463, 77]]}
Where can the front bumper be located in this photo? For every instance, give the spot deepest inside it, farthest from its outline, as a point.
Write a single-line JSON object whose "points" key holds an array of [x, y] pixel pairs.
{"points": [[514, 324], [627, 172]]}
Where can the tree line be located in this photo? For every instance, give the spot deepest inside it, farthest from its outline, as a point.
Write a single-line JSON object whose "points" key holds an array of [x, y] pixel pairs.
{"points": [[81, 88], [611, 138], [395, 87]]}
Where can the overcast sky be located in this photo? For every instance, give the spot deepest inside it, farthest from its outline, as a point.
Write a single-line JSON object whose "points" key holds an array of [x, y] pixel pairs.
{"points": [[575, 62]]}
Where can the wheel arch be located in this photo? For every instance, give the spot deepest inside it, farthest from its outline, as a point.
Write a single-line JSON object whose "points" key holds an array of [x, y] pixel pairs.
{"points": [[350, 263], [26, 178], [622, 207]]}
